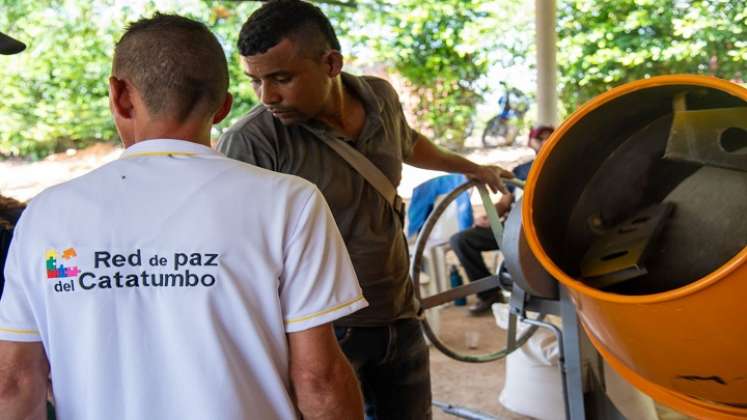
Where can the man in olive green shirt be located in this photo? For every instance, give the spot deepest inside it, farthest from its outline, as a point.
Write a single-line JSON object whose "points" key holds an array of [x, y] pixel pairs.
{"points": [[290, 52]]}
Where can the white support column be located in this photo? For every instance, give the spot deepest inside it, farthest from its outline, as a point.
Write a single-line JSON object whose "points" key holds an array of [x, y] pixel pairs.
{"points": [[547, 80]]}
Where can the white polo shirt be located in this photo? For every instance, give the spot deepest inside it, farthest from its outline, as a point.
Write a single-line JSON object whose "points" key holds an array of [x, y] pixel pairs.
{"points": [[162, 285]]}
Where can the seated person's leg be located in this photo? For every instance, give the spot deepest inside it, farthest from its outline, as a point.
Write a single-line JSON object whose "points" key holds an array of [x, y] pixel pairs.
{"points": [[468, 246]]}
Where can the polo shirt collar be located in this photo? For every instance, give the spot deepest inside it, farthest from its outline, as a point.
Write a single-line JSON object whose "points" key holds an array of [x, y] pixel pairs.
{"points": [[363, 90], [371, 103], [166, 147]]}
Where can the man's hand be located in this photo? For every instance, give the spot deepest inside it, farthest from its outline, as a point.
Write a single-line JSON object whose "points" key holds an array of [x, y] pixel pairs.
{"points": [[24, 373], [427, 155], [490, 175]]}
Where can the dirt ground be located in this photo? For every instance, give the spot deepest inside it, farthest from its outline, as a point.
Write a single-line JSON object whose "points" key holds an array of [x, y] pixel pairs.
{"points": [[472, 385], [22, 180], [477, 385]]}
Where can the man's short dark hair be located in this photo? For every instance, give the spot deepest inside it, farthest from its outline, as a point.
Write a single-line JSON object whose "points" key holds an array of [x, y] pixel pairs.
{"points": [[176, 64], [279, 19]]}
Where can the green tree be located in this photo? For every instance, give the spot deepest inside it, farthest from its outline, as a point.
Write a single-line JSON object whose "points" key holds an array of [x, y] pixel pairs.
{"points": [[55, 94], [441, 50], [606, 43]]}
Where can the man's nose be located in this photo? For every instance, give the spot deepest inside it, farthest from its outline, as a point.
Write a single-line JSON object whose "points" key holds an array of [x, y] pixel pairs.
{"points": [[269, 94]]}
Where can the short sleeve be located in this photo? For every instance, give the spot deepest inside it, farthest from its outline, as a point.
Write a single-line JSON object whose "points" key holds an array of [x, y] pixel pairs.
{"points": [[318, 283], [17, 322], [408, 135], [247, 146]]}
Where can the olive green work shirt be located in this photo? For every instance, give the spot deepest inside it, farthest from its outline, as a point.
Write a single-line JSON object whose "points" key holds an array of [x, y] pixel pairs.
{"points": [[372, 231]]}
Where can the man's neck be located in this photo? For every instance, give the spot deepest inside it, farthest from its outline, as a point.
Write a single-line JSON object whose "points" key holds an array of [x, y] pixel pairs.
{"points": [[167, 129], [345, 112]]}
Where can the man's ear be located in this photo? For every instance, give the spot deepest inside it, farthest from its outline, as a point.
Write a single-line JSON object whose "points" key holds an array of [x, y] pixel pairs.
{"points": [[333, 59], [120, 98], [224, 109]]}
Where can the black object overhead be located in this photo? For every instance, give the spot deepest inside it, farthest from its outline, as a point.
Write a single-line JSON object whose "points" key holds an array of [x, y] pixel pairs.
{"points": [[9, 45]]}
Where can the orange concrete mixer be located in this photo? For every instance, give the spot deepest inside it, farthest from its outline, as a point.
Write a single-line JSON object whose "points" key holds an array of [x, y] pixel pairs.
{"points": [[638, 204]]}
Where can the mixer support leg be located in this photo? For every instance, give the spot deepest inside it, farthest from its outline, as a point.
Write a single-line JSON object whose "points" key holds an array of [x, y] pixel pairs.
{"points": [[572, 364]]}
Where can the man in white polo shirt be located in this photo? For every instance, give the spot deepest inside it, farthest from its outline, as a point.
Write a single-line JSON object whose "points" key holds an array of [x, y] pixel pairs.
{"points": [[175, 283]]}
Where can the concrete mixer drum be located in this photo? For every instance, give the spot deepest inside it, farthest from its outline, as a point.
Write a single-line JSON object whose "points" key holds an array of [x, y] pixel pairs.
{"points": [[663, 161], [633, 169]]}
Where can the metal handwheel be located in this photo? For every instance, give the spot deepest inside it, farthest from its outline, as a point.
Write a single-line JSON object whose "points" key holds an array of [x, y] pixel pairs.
{"points": [[513, 342]]}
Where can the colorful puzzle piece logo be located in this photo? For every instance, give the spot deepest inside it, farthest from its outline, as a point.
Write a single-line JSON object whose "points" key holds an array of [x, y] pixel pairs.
{"points": [[69, 253], [55, 271]]}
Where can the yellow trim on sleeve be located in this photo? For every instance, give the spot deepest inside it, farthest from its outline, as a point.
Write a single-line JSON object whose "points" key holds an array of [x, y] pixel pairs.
{"points": [[325, 311], [17, 331]]}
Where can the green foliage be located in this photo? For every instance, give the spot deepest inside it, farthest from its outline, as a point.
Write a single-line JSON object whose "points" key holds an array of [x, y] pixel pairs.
{"points": [[436, 47], [55, 94], [606, 43], [433, 55], [225, 20]]}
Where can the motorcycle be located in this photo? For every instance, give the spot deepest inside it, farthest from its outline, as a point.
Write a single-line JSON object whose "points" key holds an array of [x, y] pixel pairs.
{"points": [[502, 129]]}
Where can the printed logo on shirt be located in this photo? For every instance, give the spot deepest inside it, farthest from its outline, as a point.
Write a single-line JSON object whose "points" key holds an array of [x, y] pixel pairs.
{"points": [[112, 270], [57, 269]]}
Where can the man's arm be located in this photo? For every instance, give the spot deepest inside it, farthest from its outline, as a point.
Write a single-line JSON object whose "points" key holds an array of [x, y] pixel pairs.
{"points": [[427, 155], [24, 376], [324, 384]]}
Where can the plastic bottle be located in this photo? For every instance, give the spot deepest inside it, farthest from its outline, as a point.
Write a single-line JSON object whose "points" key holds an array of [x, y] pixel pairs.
{"points": [[456, 280]]}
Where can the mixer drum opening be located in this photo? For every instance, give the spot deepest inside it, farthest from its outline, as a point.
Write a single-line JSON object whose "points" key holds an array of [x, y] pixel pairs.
{"points": [[647, 192]]}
